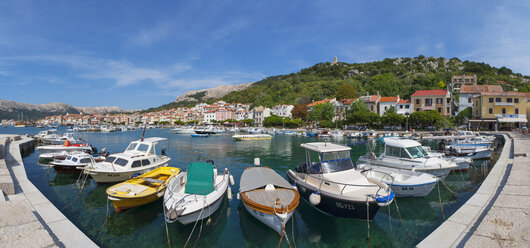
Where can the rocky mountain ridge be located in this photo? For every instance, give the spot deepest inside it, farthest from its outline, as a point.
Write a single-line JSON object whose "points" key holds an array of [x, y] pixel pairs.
{"points": [[12, 110], [212, 93]]}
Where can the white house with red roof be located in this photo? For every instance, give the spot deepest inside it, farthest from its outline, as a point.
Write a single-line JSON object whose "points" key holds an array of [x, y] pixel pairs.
{"points": [[425, 100], [403, 107], [385, 103]]}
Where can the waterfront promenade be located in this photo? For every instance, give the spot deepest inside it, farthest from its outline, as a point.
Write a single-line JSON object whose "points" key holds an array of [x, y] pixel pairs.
{"points": [[498, 214], [27, 218]]}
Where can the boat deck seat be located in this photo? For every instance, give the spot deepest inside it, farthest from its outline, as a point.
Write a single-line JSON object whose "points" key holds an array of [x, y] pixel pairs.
{"points": [[152, 180], [268, 197], [129, 189]]}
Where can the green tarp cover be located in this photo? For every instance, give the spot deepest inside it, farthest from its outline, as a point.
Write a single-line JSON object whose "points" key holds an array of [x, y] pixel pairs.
{"points": [[200, 179]]}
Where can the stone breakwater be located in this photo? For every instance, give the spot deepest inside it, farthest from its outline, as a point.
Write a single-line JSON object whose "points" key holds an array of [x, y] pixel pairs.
{"points": [[27, 218], [497, 214]]}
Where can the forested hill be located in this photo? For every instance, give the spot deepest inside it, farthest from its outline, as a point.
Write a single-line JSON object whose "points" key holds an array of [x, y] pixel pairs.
{"points": [[391, 77]]}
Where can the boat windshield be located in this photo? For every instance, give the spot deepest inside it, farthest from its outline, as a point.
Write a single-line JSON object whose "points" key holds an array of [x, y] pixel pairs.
{"points": [[143, 147], [423, 151], [335, 161], [132, 146], [110, 159], [415, 152]]}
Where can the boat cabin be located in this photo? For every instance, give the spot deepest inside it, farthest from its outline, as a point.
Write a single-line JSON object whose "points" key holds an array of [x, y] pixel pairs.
{"points": [[80, 158], [139, 153], [323, 158], [403, 148]]}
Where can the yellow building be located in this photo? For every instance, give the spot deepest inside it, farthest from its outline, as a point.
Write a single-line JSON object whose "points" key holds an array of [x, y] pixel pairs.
{"points": [[505, 109]]}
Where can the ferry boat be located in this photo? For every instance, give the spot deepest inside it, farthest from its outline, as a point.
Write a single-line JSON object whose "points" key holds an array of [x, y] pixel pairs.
{"points": [[139, 157], [267, 196], [196, 193], [409, 154], [329, 181]]}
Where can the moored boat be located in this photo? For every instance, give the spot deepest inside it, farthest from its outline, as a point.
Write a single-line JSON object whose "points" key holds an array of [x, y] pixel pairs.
{"points": [[139, 157], [404, 183], [73, 162], [329, 182], [241, 137], [141, 190], [195, 194], [267, 196]]}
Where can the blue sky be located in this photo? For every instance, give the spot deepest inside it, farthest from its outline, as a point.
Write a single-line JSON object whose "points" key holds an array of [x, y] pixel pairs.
{"points": [[140, 54]]}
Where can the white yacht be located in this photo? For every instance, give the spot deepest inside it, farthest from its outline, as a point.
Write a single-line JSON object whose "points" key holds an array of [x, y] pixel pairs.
{"points": [[462, 162], [409, 154], [47, 152], [139, 157], [71, 137], [184, 130], [329, 182]]}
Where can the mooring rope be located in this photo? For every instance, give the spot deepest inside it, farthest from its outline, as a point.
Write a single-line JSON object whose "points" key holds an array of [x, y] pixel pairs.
{"points": [[401, 220], [440, 201], [368, 221], [197, 221], [165, 222]]}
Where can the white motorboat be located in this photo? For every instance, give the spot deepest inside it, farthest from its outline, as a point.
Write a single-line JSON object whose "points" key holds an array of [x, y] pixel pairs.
{"points": [[354, 135], [43, 150], [183, 130], [71, 137], [139, 157], [73, 162], [267, 196], [473, 152], [336, 134], [195, 194], [329, 182], [409, 154], [404, 183], [462, 162], [255, 130], [46, 134], [106, 129], [240, 137]]}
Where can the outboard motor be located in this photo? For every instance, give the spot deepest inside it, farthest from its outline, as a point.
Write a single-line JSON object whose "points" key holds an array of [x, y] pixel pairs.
{"points": [[94, 149]]}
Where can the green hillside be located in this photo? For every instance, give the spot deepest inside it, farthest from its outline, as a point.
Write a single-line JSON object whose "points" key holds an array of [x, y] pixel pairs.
{"points": [[391, 77]]}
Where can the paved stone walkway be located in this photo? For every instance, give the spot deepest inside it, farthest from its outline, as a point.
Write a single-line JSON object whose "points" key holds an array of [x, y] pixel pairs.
{"points": [[507, 223]]}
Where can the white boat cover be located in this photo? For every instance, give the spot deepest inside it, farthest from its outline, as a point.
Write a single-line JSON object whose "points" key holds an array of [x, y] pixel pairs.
{"points": [[257, 177]]}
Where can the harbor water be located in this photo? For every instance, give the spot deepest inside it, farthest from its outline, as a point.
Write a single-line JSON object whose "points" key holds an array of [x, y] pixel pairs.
{"points": [[403, 224]]}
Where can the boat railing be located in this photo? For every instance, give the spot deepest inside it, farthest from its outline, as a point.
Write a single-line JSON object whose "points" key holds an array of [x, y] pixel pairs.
{"points": [[182, 202], [344, 185]]}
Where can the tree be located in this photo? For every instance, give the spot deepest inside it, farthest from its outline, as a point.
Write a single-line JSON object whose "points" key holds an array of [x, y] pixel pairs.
{"points": [[346, 91], [358, 106], [463, 115], [248, 122], [426, 118], [300, 111], [322, 112], [392, 118], [441, 85]]}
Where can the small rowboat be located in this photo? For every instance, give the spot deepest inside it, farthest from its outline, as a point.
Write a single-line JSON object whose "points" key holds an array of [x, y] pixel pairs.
{"points": [[268, 197], [141, 190], [241, 137]]}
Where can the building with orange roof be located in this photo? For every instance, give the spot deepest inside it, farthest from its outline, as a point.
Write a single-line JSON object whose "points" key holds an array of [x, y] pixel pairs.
{"points": [[468, 92], [425, 100], [403, 107], [385, 103], [500, 110], [371, 101]]}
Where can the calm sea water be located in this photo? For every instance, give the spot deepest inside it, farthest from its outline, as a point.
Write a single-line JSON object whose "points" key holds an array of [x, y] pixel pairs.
{"points": [[231, 225]]}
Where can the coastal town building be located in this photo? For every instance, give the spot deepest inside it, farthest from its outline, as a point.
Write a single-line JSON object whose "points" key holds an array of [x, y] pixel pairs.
{"points": [[500, 110], [342, 107], [457, 81], [385, 103], [371, 102], [425, 100], [468, 92], [403, 107], [260, 113], [282, 110], [315, 103]]}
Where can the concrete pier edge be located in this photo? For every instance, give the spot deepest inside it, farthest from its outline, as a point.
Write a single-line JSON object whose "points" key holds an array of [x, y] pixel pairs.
{"points": [[59, 228], [457, 229]]}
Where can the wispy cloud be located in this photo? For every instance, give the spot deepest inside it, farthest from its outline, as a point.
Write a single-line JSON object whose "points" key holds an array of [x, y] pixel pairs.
{"points": [[149, 36]]}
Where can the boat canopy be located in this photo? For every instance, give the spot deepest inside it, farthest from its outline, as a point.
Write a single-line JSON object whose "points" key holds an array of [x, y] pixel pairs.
{"points": [[322, 147], [257, 177], [200, 179], [402, 143]]}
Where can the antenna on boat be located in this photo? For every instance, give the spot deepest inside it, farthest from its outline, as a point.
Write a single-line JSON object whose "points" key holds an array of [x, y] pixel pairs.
{"points": [[143, 133]]}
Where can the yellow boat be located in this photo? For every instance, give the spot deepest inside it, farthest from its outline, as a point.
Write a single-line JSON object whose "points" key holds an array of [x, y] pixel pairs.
{"points": [[242, 137], [141, 190]]}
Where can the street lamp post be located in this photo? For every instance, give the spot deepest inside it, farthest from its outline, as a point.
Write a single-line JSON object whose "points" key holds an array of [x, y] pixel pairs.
{"points": [[407, 121]]}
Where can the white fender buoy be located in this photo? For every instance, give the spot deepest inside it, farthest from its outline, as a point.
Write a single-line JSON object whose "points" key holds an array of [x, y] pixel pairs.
{"points": [[413, 168], [294, 187], [315, 198], [238, 196], [229, 193], [232, 182]]}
